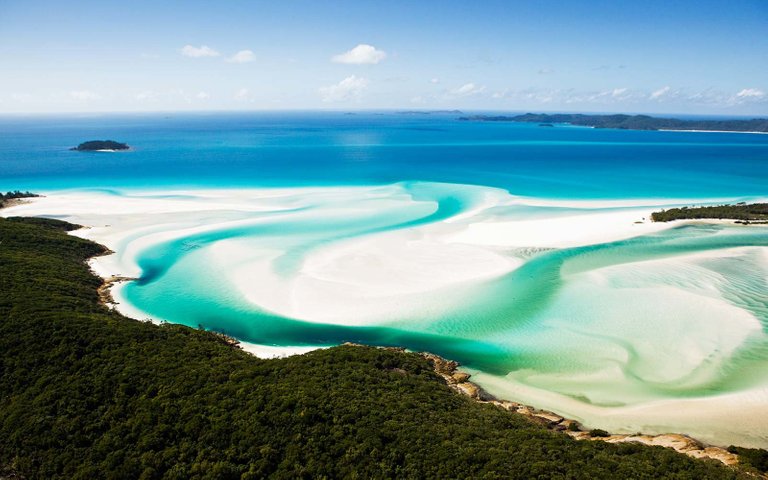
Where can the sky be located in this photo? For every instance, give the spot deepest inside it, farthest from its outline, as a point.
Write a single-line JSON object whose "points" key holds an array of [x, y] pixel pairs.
{"points": [[692, 57]]}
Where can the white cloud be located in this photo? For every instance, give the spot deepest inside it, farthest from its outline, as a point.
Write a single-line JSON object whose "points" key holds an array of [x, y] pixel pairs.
{"points": [[627, 96], [84, 95], [243, 56], [571, 96], [202, 95], [540, 96], [243, 95], [22, 97], [145, 96], [435, 81], [361, 54], [618, 92], [659, 93], [709, 96], [750, 93], [468, 89], [199, 52], [348, 89], [180, 93]]}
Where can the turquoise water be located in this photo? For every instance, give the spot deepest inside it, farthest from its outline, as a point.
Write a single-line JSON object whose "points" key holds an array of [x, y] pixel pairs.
{"points": [[508, 319], [292, 149], [662, 316]]}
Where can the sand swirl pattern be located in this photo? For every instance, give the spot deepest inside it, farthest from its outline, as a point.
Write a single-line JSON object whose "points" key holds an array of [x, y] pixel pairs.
{"points": [[571, 306]]}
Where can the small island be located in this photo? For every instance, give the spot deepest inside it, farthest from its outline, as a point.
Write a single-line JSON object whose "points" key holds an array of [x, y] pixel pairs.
{"points": [[101, 146], [630, 122], [756, 213]]}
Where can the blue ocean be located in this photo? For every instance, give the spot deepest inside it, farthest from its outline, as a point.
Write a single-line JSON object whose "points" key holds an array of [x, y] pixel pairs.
{"points": [[290, 149]]}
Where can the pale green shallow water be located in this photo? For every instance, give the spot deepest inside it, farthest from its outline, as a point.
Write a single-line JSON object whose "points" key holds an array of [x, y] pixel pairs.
{"points": [[600, 332], [539, 317], [678, 314]]}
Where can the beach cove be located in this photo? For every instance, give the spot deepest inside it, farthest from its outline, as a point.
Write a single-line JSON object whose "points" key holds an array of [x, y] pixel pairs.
{"points": [[500, 283], [524, 253]]}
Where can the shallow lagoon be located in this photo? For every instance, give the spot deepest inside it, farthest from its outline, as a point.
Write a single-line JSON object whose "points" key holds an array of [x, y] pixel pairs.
{"points": [[510, 248]]}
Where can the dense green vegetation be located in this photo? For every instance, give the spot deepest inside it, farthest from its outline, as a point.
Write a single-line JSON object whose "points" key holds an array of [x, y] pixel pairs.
{"points": [[86, 393], [630, 122], [94, 145], [756, 458], [14, 195], [756, 212]]}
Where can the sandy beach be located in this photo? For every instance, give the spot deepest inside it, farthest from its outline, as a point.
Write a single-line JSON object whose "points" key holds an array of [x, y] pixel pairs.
{"points": [[362, 257], [352, 281]]}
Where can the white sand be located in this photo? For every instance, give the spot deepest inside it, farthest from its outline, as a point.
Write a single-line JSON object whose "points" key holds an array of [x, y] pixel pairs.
{"points": [[682, 340], [561, 232], [737, 418], [275, 351], [334, 274], [362, 281], [369, 278]]}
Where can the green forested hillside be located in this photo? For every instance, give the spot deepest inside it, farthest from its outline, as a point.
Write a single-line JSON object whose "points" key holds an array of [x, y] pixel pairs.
{"points": [[756, 212], [88, 394]]}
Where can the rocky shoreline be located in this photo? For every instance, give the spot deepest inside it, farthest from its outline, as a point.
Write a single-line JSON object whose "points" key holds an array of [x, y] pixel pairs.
{"points": [[105, 293], [459, 381]]}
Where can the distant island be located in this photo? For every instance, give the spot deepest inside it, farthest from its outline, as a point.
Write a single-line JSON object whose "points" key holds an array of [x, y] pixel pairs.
{"points": [[629, 122], [743, 213], [100, 145]]}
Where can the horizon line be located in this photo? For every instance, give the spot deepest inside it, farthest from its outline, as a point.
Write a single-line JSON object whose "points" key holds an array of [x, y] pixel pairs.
{"points": [[375, 110]]}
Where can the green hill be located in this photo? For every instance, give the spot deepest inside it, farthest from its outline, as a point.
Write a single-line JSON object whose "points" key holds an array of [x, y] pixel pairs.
{"points": [[96, 145], [752, 213], [86, 394]]}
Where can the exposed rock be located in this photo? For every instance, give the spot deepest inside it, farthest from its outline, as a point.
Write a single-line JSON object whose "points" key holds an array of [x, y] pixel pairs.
{"points": [[525, 410], [469, 389], [717, 453], [571, 425], [460, 377], [105, 295], [682, 444], [506, 405], [441, 365], [447, 369], [549, 417]]}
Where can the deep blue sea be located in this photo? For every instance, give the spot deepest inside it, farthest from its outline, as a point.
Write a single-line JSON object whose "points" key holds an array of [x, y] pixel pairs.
{"points": [[291, 149]]}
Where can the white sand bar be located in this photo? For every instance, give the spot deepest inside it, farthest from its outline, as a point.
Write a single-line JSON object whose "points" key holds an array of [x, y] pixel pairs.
{"points": [[409, 254]]}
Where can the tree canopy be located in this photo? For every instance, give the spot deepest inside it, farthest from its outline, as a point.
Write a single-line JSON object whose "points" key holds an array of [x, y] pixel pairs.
{"points": [[756, 212], [86, 393], [95, 145]]}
